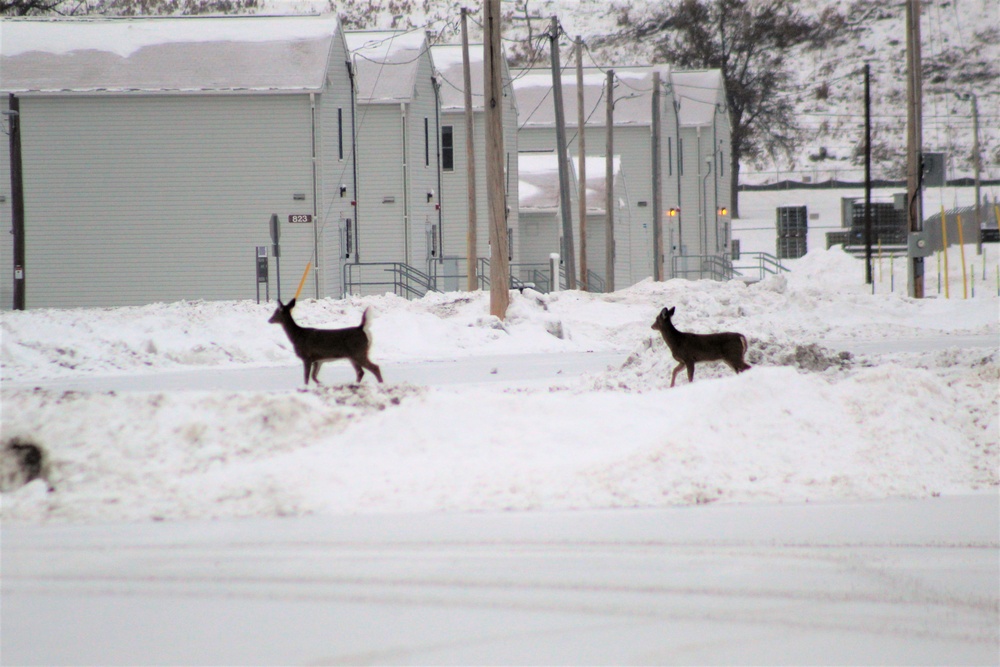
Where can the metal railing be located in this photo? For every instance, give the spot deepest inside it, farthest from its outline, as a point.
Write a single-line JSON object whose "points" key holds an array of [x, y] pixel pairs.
{"points": [[757, 266], [515, 282], [701, 267], [595, 283], [403, 279]]}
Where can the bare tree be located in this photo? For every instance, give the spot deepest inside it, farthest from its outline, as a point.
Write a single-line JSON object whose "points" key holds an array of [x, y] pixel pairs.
{"points": [[748, 40], [124, 7]]}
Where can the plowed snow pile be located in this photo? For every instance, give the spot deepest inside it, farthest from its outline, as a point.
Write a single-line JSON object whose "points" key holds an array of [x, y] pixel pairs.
{"points": [[910, 415]]}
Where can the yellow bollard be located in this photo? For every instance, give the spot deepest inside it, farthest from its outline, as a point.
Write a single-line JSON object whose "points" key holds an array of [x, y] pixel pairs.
{"points": [[961, 249], [944, 244]]}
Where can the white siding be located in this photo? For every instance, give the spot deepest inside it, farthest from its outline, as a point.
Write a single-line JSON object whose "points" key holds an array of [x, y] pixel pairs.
{"points": [[455, 198], [131, 200], [336, 168]]}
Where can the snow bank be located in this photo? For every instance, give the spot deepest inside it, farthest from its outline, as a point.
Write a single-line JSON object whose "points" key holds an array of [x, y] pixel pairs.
{"points": [[810, 421]]}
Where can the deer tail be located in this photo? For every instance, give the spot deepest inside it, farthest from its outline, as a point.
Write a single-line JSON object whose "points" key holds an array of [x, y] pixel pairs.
{"points": [[366, 325]]}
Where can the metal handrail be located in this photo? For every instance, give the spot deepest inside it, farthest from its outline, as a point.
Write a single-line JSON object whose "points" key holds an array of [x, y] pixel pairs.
{"points": [[406, 281], [595, 283], [765, 264], [515, 282], [712, 267]]}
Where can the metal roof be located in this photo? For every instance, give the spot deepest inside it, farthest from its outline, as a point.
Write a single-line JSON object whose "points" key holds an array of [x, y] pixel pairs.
{"points": [[386, 63], [176, 54], [448, 61], [699, 92]]}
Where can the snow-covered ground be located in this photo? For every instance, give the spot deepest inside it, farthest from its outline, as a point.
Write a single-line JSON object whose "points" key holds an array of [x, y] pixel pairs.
{"points": [[824, 539], [564, 405]]}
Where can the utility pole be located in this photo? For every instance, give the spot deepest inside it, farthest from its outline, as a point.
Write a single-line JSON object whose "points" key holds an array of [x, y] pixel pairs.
{"points": [[471, 241], [569, 251], [17, 196], [868, 176], [914, 143], [582, 153], [657, 195], [609, 183], [499, 262]]}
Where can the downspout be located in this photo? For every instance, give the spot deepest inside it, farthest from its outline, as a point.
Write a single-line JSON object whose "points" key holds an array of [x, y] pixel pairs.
{"points": [[702, 221], [312, 111], [440, 196], [715, 160], [680, 170], [406, 186], [354, 161]]}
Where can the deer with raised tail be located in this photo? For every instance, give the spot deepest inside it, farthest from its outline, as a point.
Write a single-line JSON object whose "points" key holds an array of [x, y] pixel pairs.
{"points": [[689, 348], [314, 346]]}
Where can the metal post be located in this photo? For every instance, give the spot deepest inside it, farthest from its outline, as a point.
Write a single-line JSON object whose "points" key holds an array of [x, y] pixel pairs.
{"points": [[569, 251], [868, 176], [17, 204], [914, 143], [582, 157], [609, 183], [657, 195]]}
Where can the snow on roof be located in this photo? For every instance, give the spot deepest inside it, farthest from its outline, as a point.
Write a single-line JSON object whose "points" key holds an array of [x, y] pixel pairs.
{"points": [[166, 54], [633, 90], [448, 62], [386, 62], [538, 181], [699, 92]]}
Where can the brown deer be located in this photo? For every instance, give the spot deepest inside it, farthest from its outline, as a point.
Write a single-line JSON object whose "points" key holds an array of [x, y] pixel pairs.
{"points": [[314, 346], [689, 348]]}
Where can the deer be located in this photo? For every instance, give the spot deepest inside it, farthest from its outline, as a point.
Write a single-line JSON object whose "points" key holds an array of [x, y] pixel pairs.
{"points": [[315, 346], [689, 348]]}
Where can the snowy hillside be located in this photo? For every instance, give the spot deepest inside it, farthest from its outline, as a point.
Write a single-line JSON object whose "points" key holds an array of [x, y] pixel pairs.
{"points": [[961, 54]]}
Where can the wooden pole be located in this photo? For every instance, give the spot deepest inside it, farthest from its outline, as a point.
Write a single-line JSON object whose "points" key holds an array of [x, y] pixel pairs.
{"points": [[569, 249], [657, 195], [499, 262], [471, 240], [581, 152], [609, 183], [914, 143]]}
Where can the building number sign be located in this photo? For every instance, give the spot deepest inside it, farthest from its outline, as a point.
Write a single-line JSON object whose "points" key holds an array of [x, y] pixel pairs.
{"points": [[300, 218]]}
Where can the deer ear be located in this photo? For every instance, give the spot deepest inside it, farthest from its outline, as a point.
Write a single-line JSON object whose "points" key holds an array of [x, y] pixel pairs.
{"points": [[671, 311], [290, 304]]}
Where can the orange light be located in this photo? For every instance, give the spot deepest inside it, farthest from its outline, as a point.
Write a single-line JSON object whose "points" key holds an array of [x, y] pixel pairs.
{"points": [[723, 210], [674, 212]]}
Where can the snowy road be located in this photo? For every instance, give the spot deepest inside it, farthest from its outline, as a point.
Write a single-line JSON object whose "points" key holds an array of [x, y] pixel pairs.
{"points": [[892, 582], [507, 369]]}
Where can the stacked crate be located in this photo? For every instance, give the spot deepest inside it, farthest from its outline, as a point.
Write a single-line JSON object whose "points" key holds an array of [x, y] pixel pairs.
{"points": [[793, 227]]}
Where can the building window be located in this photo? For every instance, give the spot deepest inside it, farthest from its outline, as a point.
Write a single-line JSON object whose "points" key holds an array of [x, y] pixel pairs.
{"points": [[340, 133], [670, 156], [448, 148], [427, 143], [680, 155]]}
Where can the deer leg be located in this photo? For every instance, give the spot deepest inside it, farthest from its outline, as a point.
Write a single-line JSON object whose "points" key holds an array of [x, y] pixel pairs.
{"points": [[307, 365], [315, 372], [367, 363], [357, 369], [676, 371], [690, 366]]}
